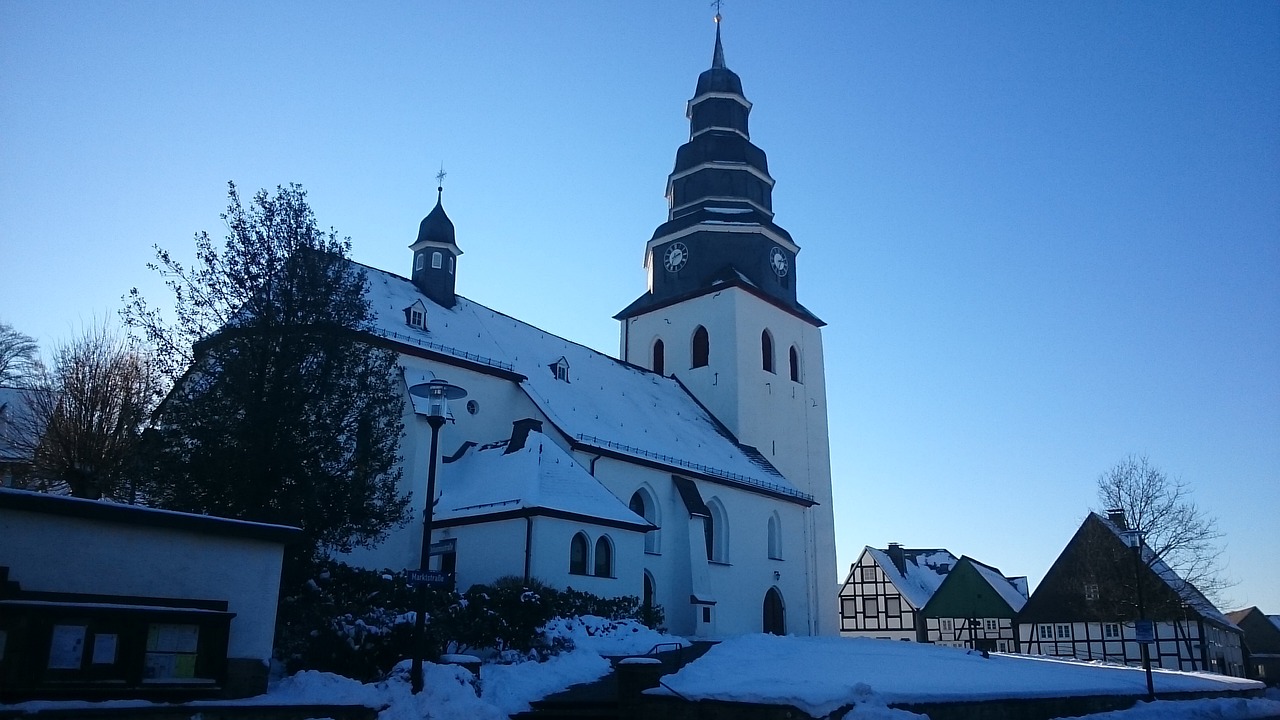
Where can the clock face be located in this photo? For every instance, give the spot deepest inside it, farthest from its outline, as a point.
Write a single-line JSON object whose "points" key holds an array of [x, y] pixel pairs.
{"points": [[778, 261], [676, 256]]}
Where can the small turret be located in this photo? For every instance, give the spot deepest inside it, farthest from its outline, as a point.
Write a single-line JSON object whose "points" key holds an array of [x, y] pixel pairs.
{"points": [[435, 254]]}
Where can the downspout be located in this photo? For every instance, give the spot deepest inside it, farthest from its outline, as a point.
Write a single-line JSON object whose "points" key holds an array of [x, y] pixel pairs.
{"points": [[528, 547]]}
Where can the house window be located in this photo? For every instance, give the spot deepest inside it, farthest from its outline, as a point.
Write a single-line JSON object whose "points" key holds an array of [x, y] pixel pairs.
{"points": [[604, 557], [1002, 646], [1046, 632], [1064, 631], [415, 318], [868, 574], [795, 364], [766, 351], [562, 372], [870, 607], [701, 347], [437, 260], [1111, 631], [848, 606], [775, 537], [1091, 591], [644, 506], [578, 555], [418, 261], [946, 625], [659, 357], [992, 624], [893, 606]]}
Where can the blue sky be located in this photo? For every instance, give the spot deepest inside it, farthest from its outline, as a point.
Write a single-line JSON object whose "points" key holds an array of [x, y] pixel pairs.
{"points": [[1044, 235]]}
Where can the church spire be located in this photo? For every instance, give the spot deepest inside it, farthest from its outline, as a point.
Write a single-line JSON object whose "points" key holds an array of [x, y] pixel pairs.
{"points": [[720, 227], [435, 252]]}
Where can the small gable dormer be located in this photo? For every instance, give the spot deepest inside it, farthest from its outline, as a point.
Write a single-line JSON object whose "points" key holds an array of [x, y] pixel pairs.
{"points": [[415, 316], [560, 369]]}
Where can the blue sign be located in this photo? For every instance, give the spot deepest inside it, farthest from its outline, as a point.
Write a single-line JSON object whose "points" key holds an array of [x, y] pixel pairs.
{"points": [[430, 578], [1144, 631]]}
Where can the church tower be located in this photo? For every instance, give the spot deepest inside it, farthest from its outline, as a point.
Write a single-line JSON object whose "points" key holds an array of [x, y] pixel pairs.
{"points": [[435, 254], [721, 312]]}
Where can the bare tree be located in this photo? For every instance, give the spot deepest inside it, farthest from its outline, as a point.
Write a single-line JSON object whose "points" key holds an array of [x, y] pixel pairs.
{"points": [[1174, 528], [87, 413], [18, 356]]}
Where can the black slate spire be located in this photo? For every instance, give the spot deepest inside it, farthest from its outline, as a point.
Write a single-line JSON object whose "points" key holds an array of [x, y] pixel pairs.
{"points": [[719, 224], [435, 252]]}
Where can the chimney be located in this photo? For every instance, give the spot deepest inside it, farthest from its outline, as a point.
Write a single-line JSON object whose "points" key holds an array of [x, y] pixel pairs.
{"points": [[1116, 516], [520, 433], [898, 557]]}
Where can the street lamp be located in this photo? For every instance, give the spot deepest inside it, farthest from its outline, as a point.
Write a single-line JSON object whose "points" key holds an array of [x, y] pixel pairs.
{"points": [[437, 393], [1133, 538]]}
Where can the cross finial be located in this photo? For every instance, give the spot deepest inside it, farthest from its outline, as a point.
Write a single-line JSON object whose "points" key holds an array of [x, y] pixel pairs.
{"points": [[717, 4], [440, 180]]}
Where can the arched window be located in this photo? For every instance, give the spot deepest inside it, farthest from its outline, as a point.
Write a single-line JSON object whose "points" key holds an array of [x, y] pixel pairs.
{"points": [[642, 504], [437, 259], [766, 351], [659, 357], [419, 261], [717, 532], [450, 264], [578, 555], [646, 599], [795, 364], [775, 537], [604, 557], [775, 613], [701, 347]]}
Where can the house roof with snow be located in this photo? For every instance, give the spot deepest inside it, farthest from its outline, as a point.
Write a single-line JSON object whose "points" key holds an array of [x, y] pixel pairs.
{"points": [[1189, 593], [526, 475], [602, 403], [974, 589], [1004, 586], [920, 573]]}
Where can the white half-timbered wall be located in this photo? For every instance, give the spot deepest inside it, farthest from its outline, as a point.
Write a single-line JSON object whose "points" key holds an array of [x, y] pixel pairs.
{"points": [[1187, 645], [872, 606], [993, 633]]}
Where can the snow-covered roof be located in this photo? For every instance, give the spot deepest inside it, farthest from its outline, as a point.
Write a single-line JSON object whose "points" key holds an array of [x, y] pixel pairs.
{"points": [[1189, 593], [1001, 584], [606, 404], [923, 571], [1275, 620], [539, 476]]}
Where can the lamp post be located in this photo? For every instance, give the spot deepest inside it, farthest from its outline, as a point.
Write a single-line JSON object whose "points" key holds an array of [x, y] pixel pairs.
{"points": [[1133, 538], [437, 393]]}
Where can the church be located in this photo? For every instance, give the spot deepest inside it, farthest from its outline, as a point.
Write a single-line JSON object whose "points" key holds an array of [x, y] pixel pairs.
{"points": [[692, 471]]}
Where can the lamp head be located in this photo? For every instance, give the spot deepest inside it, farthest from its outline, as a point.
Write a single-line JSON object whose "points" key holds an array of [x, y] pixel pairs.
{"points": [[438, 393]]}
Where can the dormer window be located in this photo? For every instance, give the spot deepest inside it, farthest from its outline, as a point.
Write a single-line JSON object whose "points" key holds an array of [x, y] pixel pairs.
{"points": [[560, 369], [416, 315]]}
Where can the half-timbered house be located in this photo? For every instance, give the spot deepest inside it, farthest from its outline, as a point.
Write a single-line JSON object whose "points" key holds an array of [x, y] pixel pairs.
{"points": [[975, 607], [886, 590], [1086, 607], [1261, 644]]}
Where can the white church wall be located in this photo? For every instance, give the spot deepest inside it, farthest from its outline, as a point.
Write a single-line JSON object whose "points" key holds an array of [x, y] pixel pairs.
{"points": [[552, 537], [486, 551], [498, 403], [785, 420]]}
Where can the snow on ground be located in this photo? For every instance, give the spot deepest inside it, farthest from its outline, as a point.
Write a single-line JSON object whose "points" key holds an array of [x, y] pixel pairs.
{"points": [[449, 691], [820, 675]]}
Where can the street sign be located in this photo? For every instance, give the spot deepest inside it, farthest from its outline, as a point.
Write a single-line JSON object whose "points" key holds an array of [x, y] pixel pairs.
{"points": [[1144, 631], [430, 578]]}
